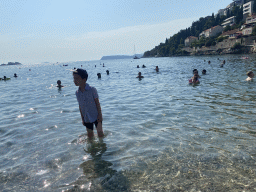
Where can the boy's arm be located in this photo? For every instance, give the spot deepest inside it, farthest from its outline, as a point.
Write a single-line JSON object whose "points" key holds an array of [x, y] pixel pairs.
{"points": [[99, 118], [81, 115]]}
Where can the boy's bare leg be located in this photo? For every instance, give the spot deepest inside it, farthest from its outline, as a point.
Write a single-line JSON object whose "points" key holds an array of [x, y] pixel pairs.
{"points": [[90, 133], [100, 130]]}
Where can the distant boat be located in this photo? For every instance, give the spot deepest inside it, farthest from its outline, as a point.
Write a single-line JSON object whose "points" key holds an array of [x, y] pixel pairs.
{"points": [[135, 57]]}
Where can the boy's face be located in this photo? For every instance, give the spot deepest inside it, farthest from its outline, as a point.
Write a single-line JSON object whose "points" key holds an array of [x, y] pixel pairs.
{"points": [[78, 80], [251, 75]]}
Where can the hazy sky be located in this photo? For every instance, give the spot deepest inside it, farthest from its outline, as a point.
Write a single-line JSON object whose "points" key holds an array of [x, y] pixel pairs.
{"points": [[64, 30]]}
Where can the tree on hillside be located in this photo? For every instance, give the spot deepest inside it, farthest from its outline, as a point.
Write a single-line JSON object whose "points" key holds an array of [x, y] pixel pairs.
{"points": [[237, 47], [228, 13], [254, 30], [222, 18], [209, 42], [192, 31], [210, 23], [181, 41], [227, 28], [217, 19], [254, 7], [238, 13], [172, 51]]}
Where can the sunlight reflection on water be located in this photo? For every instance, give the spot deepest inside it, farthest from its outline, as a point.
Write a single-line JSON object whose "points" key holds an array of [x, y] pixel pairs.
{"points": [[161, 133]]}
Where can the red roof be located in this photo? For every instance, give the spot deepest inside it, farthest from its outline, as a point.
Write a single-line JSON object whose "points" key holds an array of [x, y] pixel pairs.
{"points": [[211, 28], [230, 32], [192, 37]]}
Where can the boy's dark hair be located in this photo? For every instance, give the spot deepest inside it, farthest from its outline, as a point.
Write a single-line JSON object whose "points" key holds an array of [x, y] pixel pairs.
{"points": [[249, 73], [82, 73]]}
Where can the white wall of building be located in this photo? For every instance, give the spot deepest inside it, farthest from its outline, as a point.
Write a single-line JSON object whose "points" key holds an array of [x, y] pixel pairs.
{"points": [[190, 40], [247, 9], [229, 21], [250, 20], [215, 30], [247, 31], [211, 32]]}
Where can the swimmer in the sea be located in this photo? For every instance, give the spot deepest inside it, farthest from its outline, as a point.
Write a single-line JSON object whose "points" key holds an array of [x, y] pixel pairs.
{"points": [[195, 78], [157, 69], [139, 75], [250, 75], [195, 71], [59, 84]]}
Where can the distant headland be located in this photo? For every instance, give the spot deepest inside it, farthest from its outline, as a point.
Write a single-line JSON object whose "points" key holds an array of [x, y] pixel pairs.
{"points": [[120, 57], [11, 63]]}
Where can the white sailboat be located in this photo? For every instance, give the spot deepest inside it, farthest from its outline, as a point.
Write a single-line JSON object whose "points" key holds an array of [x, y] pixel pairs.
{"points": [[135, 57]]}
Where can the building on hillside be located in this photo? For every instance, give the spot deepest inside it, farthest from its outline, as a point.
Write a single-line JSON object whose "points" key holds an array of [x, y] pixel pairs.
{"points": [[229, 21], [190, 40], [238, 2], [245, 25], [221, 12], [235, 33], [231, 5], [251, 19], [247, 9], [247, 31], [213, 31]]}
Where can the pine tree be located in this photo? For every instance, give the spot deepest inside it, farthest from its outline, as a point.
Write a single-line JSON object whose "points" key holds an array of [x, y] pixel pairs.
{"points": [[254, 7], [181, 41], [228, 13]]}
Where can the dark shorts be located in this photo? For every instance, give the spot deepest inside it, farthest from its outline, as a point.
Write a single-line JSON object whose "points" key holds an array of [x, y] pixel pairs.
{"points": [[90, 125]]}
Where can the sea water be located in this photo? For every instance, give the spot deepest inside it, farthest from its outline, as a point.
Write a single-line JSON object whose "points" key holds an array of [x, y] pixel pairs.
{"points": [[161, 134]]}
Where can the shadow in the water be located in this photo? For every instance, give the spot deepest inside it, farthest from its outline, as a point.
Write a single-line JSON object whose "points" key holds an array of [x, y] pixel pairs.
{"points": [[98, 173], [59, 90]]}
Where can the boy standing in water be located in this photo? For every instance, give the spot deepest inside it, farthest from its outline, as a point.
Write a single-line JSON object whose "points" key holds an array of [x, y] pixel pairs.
{"points": [[89, 104]]}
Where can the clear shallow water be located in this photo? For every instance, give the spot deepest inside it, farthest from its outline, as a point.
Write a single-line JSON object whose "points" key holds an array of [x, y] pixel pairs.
{"points": [[161, 133]]}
